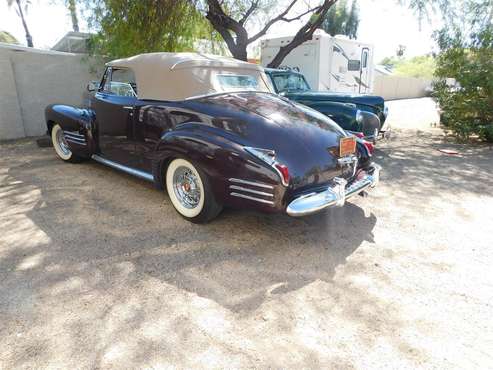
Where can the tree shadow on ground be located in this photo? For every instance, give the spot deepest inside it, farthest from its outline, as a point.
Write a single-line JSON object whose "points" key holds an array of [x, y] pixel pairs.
{"points": [[85, 233]]}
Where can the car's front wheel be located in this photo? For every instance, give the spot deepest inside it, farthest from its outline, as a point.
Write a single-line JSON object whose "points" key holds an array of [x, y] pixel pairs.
{"points": [[190, 191], [61, 146]]}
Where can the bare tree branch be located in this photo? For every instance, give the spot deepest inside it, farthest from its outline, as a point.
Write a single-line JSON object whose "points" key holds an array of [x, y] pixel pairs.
{"points": [[304, 33], [236, 36], [248, 13], [264, 30], [301, 15]]}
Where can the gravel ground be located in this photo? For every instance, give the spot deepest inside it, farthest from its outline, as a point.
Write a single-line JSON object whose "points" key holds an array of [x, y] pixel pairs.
{"points": [[98, 271]]}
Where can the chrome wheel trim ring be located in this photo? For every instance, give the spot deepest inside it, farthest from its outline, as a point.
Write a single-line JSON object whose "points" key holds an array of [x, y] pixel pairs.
{"points": [[186, 187], [60, 143], [193, 204]]}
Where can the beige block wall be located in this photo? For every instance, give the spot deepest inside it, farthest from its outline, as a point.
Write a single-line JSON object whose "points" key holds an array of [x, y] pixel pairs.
{"points": [[11, 126], [398, 87], [31, 79]]}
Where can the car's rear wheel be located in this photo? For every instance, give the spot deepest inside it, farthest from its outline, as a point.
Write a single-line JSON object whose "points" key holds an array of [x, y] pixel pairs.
{"points": [[61, 146], [190, 191]]}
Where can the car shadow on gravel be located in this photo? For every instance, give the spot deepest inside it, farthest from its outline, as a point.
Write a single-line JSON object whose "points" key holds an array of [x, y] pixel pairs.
{"points": [[82, 236], [239, 260]]}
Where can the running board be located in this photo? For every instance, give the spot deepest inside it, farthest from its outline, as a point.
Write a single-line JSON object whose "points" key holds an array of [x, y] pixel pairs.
{"points": [[131, 171]]}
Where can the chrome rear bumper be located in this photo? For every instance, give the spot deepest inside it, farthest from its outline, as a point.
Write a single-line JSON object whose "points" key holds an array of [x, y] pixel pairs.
{"points": [[335, 195]]}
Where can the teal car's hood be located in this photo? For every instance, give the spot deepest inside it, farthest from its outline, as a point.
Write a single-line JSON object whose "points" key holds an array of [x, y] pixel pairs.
{"points": [[370, 100]]}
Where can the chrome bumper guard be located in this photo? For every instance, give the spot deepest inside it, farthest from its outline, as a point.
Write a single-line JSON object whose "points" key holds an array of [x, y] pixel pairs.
{"points": [[335, 195]]}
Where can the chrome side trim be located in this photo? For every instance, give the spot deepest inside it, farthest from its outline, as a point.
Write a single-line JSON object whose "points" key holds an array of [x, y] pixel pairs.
{"points": [[252, 198], [131, 171], [75, 141], [246, 182], [75, 138], [73, 133], [241, 188]]}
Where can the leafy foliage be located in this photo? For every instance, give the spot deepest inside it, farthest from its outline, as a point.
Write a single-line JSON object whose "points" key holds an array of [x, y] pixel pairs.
{"points": [[8, 38], [419, 67], [342, 19], [467, 58], [128, 27]]}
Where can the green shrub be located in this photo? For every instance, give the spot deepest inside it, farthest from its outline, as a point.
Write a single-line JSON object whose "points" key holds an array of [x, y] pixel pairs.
{"points": [[467, 106]]}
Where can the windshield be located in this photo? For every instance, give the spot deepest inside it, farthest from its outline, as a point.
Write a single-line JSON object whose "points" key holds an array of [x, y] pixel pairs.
{"points": [[285, 82]]}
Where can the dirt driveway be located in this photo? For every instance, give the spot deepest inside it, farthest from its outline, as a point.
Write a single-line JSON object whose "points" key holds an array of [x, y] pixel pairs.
{"points": [[98, 271]]}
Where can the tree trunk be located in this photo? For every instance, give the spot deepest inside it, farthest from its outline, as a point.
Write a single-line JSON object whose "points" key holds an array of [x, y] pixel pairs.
{"points": [[73, 14], [304, 33], [240, 52], [29, 38]]}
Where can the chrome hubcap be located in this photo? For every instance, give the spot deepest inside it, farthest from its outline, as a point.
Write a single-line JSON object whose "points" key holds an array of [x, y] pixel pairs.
{"points": [[62, 143], [186, 187]]}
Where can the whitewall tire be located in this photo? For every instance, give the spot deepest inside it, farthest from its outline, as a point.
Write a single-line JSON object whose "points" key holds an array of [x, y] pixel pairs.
{"points": [[190, 192], [60, 144]]}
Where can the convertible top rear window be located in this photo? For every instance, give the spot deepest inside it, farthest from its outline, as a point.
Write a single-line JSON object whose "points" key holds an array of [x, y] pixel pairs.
{"points": [[237, 82]]}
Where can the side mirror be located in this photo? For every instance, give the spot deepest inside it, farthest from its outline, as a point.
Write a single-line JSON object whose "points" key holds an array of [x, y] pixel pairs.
{"points": [[92, 86]]}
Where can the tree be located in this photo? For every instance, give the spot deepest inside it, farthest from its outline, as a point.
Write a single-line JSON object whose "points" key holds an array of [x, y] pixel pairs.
{"points": [[229, 19], [29, 38], [401, 49], [72, 7], [128, 27], [419, 66], [342, 19], [8, 38], [466, 55]]}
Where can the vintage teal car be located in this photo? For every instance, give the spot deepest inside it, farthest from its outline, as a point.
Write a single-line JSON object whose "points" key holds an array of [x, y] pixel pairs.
{"points": [[353, 112]]}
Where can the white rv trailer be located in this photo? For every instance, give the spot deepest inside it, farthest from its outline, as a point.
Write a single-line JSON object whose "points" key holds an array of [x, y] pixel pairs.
{"points": [[329, 63]]}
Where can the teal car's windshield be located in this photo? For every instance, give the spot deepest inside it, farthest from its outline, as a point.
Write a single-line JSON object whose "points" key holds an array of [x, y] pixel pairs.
{"points": [[288, 82]]}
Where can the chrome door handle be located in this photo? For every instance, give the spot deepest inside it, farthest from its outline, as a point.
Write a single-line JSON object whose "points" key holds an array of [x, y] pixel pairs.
{"points": [[128, 107]]}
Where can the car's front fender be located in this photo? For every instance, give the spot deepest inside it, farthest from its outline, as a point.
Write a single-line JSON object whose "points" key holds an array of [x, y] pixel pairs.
{"points": [[77, 124]]}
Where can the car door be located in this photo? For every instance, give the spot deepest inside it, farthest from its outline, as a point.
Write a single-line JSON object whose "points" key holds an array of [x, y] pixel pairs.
{"points": [[114, 104]]}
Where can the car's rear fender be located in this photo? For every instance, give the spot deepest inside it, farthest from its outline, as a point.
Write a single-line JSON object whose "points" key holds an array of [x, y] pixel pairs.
{"points": [[77, 124], [229, 167]]}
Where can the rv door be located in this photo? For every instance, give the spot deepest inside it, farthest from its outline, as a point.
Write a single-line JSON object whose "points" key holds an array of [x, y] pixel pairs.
{"points": [[364, 76]]}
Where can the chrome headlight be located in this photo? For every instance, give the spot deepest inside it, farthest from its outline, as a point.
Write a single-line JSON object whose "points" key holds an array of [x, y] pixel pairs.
{"points": [[359, 116], [385, 110]]}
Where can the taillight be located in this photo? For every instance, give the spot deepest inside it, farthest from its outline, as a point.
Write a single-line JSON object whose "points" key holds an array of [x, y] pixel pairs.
{"points": [[369, 146], [284, 171], [269, 156]]}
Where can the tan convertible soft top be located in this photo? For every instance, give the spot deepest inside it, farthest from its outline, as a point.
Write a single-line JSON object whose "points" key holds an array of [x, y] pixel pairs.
{"points": [[178, 76]]}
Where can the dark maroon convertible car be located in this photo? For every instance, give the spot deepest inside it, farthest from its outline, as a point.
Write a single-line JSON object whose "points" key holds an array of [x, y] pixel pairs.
{"points": [[211, 132]]}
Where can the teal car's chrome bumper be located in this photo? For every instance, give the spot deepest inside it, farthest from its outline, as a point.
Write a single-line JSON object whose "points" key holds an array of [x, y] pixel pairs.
{"points": [[335, 195]]}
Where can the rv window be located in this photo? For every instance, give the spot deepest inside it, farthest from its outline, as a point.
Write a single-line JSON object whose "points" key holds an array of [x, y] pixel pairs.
{"points": [[365, 59], [353, 65]]}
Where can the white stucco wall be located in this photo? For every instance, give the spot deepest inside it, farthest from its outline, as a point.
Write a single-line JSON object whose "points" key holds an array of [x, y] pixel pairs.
{"points": [[30, 79], [399, 87]]}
